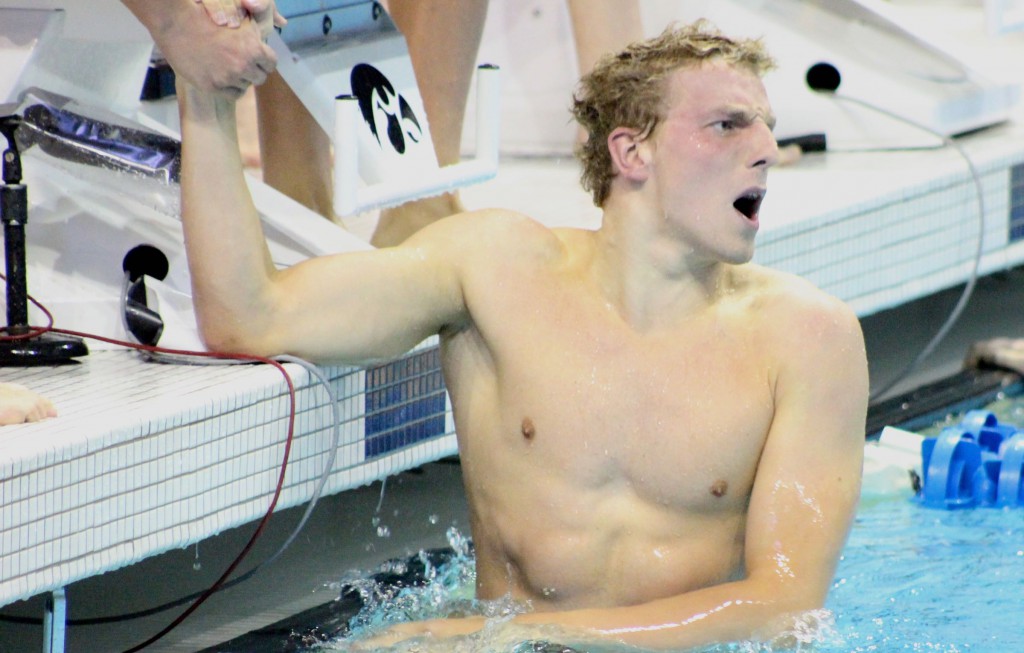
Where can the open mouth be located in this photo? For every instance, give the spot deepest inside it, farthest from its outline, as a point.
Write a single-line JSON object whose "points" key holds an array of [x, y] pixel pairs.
{"points": [[749, 203]]}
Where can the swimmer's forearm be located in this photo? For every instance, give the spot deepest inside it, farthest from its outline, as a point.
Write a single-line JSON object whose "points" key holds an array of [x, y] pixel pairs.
{"points": [[377, 305], [725, 613], [228, 258]]}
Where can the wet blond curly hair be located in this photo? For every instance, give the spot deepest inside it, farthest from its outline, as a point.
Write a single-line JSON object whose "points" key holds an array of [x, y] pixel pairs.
{"points": [[627, 89]]}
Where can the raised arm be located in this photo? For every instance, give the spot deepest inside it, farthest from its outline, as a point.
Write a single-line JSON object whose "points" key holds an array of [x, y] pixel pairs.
{"points": [[352, 308]]}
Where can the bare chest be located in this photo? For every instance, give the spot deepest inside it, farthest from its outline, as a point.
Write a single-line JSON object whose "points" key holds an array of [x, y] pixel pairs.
{"points": [[681, 424], [678, 419]]}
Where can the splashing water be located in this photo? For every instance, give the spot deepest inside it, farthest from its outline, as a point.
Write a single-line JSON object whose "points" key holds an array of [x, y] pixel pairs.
{"points": [[440, 584]]}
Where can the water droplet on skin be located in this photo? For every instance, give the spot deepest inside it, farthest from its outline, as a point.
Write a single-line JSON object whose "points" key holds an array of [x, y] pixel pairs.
{"points": [[433, 519]]}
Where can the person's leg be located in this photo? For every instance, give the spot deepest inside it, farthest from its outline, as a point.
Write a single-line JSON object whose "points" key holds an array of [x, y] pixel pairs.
{"points": [[295, 153], [443, 38], [600, 27]]}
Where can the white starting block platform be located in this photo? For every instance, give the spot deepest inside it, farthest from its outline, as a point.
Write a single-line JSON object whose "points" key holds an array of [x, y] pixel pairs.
{"points": [[146, 457]]}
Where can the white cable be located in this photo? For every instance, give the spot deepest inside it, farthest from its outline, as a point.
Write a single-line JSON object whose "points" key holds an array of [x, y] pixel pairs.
{"points": [[331, 456], [972, 280], [321, 378]]}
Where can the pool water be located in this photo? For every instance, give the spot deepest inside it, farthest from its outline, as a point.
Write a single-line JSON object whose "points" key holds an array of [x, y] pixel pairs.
{"points": [[920, 579], [911, 579], [1007, 409]]}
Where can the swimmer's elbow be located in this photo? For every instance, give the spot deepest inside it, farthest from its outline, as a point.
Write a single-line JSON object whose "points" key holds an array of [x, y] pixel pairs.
{"points": [[229, 336], [800, 601], [791, 596], [225, 341]]}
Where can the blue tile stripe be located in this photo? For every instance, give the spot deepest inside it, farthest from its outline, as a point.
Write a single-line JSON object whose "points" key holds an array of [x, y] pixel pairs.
{"points": [[404, 403]]}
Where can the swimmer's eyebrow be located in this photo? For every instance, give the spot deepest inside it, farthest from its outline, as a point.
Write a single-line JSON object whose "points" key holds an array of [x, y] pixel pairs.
{"points": [[747, 117]]}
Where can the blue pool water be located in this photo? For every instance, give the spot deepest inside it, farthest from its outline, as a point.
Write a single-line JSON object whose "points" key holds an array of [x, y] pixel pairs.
{"points": [[919, 579], [911, 579]]}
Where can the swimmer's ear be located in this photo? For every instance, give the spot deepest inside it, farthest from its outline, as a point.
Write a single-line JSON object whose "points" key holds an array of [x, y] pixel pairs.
{"points": [[629, 153]]}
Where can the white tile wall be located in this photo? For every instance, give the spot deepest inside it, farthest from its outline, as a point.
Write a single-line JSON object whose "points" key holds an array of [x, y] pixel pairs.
{"points": [[146, 457]]}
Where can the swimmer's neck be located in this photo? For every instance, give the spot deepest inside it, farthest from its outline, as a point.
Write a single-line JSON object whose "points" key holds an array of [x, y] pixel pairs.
{"points": [[652, 279]]}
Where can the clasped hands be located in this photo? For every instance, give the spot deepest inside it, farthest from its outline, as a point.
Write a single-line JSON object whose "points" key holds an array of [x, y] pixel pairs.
{"points": [[232, 13], [221, 46]]}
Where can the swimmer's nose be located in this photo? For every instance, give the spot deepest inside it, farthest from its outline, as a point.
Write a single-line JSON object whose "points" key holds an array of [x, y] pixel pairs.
{"points": [[766, 149]]}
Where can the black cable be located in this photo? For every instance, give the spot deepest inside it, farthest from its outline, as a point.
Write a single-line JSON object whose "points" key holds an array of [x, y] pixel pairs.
{"points": [[203, 596]]}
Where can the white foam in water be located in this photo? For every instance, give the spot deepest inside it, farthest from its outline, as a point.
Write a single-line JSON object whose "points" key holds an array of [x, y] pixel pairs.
{"points": [[911, 579], [449, 590]]}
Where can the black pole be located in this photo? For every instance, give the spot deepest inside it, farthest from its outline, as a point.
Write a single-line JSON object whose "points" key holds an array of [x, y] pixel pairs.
{"points": [[14, 213], [45, 348]]}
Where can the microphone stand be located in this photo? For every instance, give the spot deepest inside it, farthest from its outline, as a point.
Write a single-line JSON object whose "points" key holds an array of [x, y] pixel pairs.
{"points": [[18, 345]]}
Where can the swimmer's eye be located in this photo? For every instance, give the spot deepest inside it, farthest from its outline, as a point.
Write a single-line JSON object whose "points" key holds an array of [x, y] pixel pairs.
{"points": [[737, 121]]}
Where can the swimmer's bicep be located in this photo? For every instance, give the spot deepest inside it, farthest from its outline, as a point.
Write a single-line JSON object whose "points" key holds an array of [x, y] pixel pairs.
{"points": [[365, 306], [808, 479]]}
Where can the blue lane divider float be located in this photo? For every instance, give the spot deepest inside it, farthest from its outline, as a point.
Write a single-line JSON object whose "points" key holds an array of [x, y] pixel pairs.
{"points": [[976, 463]]}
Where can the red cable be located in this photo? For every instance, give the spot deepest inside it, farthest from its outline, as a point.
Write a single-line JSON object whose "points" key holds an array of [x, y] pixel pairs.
{"points": [[213, 589]]}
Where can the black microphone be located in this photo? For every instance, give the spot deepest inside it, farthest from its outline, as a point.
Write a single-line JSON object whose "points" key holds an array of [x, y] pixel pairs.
{"points": [[140, 321], [145, 259], [823, 77]]}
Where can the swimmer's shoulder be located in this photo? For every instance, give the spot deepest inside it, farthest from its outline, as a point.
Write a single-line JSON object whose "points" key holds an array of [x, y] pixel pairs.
{"points": [[487, 236], [785, 290], [794, 309]]}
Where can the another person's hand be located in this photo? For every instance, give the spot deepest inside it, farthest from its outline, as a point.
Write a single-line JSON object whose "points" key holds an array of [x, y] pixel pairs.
{"points": [[1000, 352], [18, 404], [210, 57], [231, 13]]}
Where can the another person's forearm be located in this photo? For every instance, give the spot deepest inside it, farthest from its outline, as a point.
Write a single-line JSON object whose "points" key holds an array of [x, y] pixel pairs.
{"points": [[158, 17]]}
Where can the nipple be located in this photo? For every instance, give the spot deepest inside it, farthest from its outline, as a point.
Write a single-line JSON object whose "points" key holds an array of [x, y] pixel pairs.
{"points": [[528, 429], [719, 488]]}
